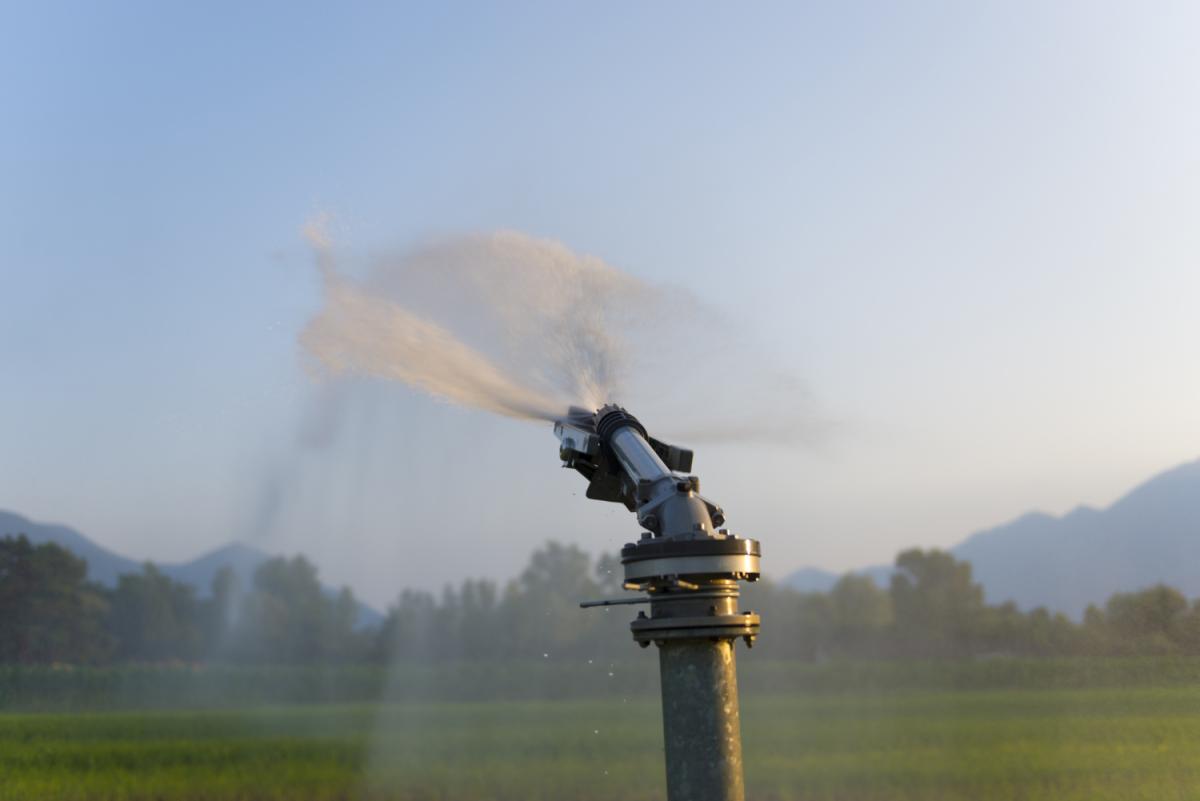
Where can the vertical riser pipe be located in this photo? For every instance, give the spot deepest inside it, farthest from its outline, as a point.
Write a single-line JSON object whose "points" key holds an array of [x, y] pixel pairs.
{"points": [[701, 728]]}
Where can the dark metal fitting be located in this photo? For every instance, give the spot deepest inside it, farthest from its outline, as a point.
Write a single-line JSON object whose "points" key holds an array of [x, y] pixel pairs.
{"points": [[703, 627], [611, 418], [695, 558]]}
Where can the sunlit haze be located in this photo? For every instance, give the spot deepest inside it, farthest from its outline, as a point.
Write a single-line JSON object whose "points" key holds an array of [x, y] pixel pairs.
{"points": [[917, 269]]}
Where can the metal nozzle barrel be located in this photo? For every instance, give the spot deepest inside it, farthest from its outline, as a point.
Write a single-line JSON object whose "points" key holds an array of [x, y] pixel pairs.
{"points": [[623, 433], [667, 503]]}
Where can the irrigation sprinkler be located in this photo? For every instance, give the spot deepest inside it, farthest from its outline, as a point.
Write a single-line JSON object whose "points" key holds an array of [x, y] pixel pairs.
{"points": [[687, 568]]}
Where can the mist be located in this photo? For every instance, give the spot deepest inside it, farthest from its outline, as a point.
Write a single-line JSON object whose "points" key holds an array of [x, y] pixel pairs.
{"points": [[500, 322], [410, 344]]}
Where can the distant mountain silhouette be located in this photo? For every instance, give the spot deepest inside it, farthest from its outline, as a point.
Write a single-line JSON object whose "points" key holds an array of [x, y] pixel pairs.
{"points": [[200, 571], [812, 579], [816, 579], [104, 566], [1150, 535]]}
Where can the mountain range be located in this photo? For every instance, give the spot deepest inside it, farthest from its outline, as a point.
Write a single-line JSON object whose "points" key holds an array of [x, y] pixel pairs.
{"points": [[104, 566], [1149, 535]]}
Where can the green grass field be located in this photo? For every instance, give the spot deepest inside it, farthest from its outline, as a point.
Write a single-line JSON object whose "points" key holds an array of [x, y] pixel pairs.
{"points": [[1114, 744]]}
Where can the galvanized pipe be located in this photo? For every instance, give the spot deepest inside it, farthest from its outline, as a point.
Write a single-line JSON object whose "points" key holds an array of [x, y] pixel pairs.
{"points": [[638, 459], [701, 728], [695, 634]]}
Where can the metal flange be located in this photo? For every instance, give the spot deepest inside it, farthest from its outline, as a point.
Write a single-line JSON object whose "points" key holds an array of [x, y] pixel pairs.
{"points": [[731, 557], [704, 610], [706, 627]]}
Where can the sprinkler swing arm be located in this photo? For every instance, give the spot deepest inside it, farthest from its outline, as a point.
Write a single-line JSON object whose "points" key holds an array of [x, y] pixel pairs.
{"points": [[689, 568], [623, 464]]}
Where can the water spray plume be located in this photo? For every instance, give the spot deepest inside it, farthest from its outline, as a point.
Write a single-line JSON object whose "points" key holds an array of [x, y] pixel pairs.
{"points": [[527, 328], [358, 332], [508, 324]]}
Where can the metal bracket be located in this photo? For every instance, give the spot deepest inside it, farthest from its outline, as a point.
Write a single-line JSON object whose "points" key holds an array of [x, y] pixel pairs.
{"points": [[660, 583]]}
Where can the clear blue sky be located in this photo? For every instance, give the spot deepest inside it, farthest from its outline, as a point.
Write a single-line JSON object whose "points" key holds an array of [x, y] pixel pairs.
{"points": [[971, 228]]}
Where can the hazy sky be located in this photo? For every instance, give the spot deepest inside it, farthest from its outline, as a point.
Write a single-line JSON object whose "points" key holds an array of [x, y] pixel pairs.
{"points": [[970, 229]]}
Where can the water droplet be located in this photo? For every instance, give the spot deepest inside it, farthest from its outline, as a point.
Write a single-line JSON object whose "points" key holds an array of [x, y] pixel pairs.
{"points": [[595, 731]]}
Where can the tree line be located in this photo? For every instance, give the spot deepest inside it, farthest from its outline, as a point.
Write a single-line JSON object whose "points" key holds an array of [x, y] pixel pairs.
{"points": [[931, 609], [50, 613]]}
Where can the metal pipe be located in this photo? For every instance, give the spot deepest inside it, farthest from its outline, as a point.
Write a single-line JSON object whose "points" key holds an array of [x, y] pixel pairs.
{"points": [[701, 727], [636, 456], [668, 503]]}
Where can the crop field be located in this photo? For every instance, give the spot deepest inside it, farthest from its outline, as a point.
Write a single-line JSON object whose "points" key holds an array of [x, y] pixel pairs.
{"points": [[1095, 744]]}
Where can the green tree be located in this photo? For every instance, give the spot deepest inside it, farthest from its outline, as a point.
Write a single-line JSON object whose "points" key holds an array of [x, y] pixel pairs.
{"points": [[541, 607], [1050, 634], [860, 614], [785, 635], [813, 630], [479, 628], [1152, 620], [938, 607], [48, 611], [407, 633], [155, 619], [287, 618], [219, 612], [1188, 630]]}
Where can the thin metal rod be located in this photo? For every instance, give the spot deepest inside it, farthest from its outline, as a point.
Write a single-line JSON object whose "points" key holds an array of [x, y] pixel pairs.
{"points": [[645, 599], [614, 602]]}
